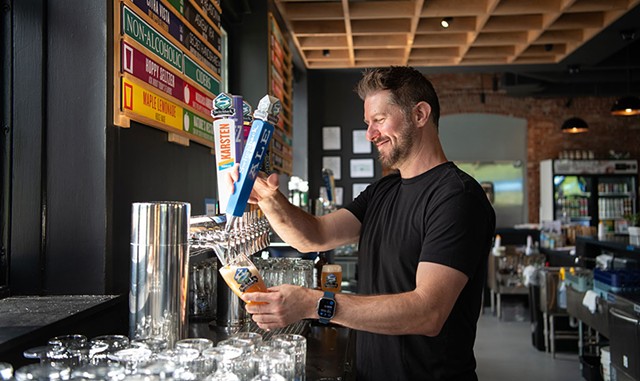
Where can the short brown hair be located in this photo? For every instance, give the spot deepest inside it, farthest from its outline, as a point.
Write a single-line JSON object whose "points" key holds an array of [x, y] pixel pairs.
{"points": [[407, 86]]}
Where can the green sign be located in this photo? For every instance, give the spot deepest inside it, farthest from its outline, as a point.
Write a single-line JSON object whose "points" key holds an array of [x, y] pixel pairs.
{"points": [[200, 76], [178, 5], [144, 34], [197, 125]]}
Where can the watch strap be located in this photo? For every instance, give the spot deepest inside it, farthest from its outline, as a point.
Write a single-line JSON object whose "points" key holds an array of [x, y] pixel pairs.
{"points": [[327, 295]]}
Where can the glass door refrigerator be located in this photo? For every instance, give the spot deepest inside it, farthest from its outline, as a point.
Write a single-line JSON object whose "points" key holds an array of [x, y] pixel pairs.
{"points": [[585, 192]]}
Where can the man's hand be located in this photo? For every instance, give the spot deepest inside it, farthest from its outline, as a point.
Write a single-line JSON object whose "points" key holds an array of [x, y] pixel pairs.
{"points": [[264, 186], [281, 305]]}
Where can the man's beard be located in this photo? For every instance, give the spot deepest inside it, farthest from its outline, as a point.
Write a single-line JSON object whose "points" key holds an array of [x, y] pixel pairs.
{"points": [[401, 151]]}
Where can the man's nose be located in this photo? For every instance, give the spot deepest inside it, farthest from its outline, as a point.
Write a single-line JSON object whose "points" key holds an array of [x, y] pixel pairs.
{"points": [[372, 133]]}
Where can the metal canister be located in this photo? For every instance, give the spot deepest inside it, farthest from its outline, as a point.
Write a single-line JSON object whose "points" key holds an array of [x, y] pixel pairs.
{"points": [[159, 270]]}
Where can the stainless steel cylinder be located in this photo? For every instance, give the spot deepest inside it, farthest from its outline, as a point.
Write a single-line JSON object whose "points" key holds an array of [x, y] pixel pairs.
{"points": [[159, 270]]}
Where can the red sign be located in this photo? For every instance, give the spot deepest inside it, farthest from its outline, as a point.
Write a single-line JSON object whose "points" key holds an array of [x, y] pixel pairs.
{"points": [[140, 66], [197, 99]]}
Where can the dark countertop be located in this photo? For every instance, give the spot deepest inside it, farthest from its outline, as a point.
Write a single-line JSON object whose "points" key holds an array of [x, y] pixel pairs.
{"points": [[618, 243], [28, 321]]}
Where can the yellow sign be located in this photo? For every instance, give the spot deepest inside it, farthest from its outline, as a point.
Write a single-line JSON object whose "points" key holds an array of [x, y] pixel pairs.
{"points": [[146, 103]]}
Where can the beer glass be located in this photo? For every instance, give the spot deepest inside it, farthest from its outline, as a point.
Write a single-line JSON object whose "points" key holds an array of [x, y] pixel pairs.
{"points": [[6, 371], [300, 349], [331, 279], [42, 372], [241, 275]]}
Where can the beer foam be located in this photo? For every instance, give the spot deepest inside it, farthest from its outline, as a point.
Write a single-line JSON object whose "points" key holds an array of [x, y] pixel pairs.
{"points": [[332, 268]]}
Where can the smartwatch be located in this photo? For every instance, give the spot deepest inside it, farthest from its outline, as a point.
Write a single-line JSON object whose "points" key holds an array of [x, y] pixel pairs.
{"points": [[326, 307]]}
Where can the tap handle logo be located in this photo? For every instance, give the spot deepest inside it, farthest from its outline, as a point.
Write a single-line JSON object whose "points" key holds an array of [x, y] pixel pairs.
{"points": [[268, 109]]}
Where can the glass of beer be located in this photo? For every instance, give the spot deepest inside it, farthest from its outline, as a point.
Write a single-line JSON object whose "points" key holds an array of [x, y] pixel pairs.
{"points": [[331, 279], [241, 275]]}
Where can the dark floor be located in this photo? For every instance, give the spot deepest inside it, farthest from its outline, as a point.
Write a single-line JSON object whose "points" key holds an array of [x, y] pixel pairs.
{"points": [[504, 351]]}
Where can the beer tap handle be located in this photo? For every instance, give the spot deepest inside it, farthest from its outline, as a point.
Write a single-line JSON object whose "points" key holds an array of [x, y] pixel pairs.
{"points": [[265, 116]]}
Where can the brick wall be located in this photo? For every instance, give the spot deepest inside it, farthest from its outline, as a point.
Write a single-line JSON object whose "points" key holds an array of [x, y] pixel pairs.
{"points": [[460, 93]]}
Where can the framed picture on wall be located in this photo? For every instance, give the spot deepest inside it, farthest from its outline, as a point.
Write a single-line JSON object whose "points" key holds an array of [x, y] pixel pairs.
{"points": [[361, 168], [339, 195], [357, 188], [332, 163], [331, 138], [360, 142]]}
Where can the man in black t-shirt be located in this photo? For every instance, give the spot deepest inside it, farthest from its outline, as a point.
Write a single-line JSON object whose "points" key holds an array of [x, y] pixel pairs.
{"points": [[424, 235]]}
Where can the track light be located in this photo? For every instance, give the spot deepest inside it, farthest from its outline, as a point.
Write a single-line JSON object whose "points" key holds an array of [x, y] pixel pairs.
{"points": [[575, 126], [446, 22]]}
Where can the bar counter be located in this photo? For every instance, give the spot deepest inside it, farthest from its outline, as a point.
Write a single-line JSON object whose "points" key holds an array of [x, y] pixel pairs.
{"points": [[29, 321]]}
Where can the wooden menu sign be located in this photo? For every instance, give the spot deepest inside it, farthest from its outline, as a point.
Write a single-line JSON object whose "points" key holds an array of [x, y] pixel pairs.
{"points": [[167, 66]]}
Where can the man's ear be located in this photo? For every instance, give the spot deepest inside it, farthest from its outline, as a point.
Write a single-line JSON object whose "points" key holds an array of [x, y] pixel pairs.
{"points": [[421, 113]]}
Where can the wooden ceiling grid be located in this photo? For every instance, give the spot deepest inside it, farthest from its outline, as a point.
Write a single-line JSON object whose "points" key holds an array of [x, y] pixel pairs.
{"points": [[349, 34]]}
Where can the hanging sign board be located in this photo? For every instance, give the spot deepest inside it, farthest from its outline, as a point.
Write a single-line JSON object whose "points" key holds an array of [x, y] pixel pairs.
{"points": [[167, 66], [150, 105]]}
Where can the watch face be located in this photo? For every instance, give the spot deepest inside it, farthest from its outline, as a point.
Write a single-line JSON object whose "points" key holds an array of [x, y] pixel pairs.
{"points": [[326, 308]]}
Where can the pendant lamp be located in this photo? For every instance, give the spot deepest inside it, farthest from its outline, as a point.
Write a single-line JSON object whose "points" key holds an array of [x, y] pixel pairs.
{"points": [[574, 126], [628, 105]]}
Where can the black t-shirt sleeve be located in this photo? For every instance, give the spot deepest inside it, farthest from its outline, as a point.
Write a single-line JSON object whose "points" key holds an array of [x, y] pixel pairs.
{"points": [[456, 229], [358, 207]]}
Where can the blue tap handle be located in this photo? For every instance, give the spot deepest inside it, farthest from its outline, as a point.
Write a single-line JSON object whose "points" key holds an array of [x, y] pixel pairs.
{"points": [[253, 154]]}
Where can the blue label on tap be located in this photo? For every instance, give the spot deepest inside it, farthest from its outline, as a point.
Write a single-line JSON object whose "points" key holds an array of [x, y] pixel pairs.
{"points": [[254, 152]]}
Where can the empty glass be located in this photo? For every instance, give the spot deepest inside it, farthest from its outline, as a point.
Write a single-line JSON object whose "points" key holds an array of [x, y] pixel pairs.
{"points": [[246, 345], [131, 358], [100, 372], [268, 360], [102, 346], [269, 377], [154, 344], [76, 350], [189, 365], [300, 348], [254, 337], [276, 271], [200, 344], [224, 359], [6, 371], [45, 353], [203, 289], [157, 368], [42, 372]]}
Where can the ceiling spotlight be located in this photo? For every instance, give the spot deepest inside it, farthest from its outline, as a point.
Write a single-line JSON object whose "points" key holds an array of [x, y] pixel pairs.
{"points": [[573, 69], [446, 22], [574, 126], [326, 53]]}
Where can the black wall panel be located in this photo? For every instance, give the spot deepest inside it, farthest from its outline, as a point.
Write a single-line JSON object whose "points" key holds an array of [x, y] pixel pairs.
{"points": [[146, 167], [332, 102], [27, 122]]}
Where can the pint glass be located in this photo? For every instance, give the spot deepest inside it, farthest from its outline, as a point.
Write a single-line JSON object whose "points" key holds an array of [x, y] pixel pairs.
{"points": [[331, 279], [241, 275]]}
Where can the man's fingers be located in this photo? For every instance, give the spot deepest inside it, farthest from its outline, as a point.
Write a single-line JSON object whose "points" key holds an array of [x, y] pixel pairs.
{"points": [[235, 172], [273, 181]]}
